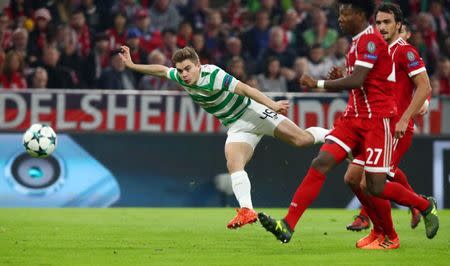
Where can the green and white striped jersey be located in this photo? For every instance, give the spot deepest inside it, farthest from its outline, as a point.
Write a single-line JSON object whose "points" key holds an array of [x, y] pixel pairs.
{"points": [[214, 92]]}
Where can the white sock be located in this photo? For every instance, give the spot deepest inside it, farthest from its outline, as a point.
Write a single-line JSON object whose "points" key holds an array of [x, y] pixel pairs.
{"points": [[241, 188], [318, 133]]}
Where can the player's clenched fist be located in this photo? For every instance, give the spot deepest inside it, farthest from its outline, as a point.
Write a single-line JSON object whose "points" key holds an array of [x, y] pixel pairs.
{"points": [[335, 73], [282, 107], [306, 80]]}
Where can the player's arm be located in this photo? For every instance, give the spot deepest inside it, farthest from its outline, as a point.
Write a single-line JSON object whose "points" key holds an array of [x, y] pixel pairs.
{"points": [[352, 81], [367, 52], [423, 89], [245, 90], [154, 70]]}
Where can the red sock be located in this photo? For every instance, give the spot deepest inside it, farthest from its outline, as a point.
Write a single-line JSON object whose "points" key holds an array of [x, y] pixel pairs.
{"points": [[308, 190], [382, 208], [368, 208], [400, 178], [363, 211], [399, 194]]}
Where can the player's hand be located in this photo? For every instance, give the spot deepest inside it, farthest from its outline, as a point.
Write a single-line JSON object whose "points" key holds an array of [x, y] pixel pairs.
{"points": [[335, 73], [306, 80], [400, 128], [424, 109], [125, 56], [281, 107]]}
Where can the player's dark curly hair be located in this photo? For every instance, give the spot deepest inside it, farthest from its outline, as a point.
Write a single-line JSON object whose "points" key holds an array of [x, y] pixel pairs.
{"points": [[366, 6], [392, 9]]}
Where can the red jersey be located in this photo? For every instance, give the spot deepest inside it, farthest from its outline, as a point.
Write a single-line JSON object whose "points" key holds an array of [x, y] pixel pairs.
{"points": [[17, 81], [407, 64], [375, 97]]}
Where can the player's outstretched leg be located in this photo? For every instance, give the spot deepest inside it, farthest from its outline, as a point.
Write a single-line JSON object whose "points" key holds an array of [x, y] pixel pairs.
{"points": [[431, 219], [244, 216], [360, 221], [279, 228]]}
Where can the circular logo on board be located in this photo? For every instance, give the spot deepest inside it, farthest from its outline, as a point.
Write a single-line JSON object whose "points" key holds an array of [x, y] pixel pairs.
{"points": [[371, 47], [410, 56]]}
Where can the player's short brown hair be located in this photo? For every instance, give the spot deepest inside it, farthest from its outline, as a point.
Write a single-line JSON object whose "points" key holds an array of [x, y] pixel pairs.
{"points": [[186, 53]]}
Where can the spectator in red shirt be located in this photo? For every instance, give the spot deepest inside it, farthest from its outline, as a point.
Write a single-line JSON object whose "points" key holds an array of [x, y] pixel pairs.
{"points": [[234, 13], [169, 45], [12, 76], [18, 10], [117, 34], [79, 26], [443, 76], [5, 32], [128, 7], [150, 36], [184, 36]]}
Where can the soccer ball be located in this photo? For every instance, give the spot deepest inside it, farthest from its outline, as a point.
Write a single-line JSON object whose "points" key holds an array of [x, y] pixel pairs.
{"points": [[39, 140]]}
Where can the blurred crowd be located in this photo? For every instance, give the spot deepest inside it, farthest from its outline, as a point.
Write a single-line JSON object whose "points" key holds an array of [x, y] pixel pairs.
{"points": [[265, 43]]}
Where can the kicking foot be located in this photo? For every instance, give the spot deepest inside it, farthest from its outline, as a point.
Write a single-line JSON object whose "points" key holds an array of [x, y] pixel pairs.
{"points": [[244, 216]]}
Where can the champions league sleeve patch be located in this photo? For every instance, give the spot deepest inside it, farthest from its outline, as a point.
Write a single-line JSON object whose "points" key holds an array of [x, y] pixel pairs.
{"points": [[413, 62], [227, 81], [371, 47], [410, 55]]}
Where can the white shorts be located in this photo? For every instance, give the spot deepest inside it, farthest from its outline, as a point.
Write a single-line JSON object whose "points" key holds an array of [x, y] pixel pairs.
{"points": [[258, 120]]}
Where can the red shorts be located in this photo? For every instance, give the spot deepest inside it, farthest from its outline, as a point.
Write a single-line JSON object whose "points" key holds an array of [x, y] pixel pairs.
{"points": [[401, 146], [370, 140]]}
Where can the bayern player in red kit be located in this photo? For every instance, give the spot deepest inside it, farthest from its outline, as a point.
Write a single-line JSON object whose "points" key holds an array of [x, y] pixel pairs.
{"points": [[365, 127], [411, 79]]}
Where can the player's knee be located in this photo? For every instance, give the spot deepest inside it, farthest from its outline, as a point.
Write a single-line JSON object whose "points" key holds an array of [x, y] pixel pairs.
{"points": [[323, 163], [235, 165], [300, 140], [363, 186], [352, 181]]}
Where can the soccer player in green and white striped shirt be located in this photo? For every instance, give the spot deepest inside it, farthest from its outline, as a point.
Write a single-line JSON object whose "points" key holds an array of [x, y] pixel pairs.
{"points": [[245, 111]]}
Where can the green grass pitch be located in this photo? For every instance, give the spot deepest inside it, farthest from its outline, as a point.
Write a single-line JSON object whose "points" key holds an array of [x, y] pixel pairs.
{"points": [[198, 236]]}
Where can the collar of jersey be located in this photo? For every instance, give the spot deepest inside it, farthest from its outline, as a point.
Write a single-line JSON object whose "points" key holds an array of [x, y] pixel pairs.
{"points": [[395, 42], [361, 33]]}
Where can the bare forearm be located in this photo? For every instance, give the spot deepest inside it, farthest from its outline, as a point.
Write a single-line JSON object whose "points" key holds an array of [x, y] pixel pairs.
{"points": [[420, 95], [345, 83], [154, 70], [259, 97]]}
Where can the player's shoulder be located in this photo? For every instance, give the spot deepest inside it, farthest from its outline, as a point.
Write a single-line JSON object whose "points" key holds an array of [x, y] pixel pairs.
{"points": [[407, 51], [405, 47], [372, 40], [209, 67]]}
